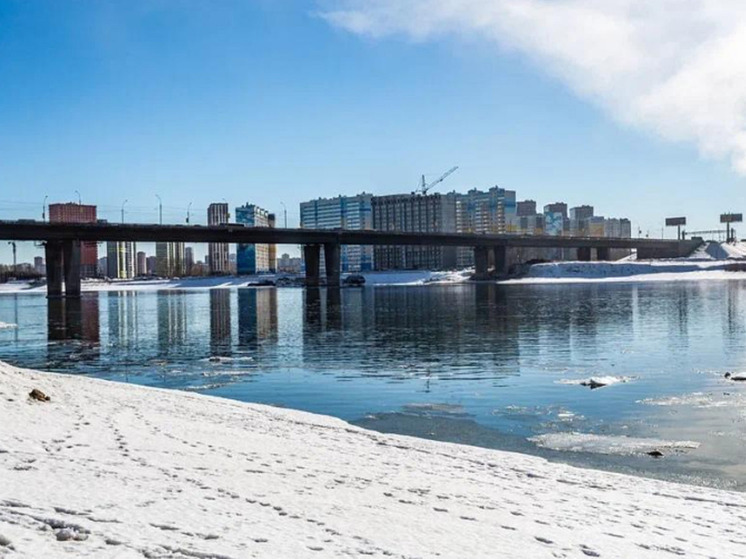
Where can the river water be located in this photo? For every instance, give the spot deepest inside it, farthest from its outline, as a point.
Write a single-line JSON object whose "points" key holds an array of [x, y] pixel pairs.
{"points": [[489, 365]]}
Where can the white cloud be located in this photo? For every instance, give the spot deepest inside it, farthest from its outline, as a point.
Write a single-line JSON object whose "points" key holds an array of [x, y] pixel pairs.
{"points": [[674, 67]]}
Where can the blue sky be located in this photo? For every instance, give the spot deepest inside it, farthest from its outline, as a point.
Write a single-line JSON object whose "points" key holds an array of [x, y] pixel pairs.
{"points": [[270, 103]]}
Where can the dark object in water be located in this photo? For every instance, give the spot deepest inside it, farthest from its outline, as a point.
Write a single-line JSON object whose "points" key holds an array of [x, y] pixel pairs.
{"points": [[354, 280], [655, 454], [37, 394], [261, 283]]}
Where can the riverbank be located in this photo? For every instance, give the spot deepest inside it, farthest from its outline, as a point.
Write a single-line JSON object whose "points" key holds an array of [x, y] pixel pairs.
{"points": [[114, 470], [404, 277]]}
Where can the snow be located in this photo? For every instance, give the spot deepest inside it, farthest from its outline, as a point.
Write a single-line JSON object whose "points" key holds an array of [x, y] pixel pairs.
{"points": [[7, 325], [416, 277], [110, 470], [628, 271], [609, 444], [709, 262]]}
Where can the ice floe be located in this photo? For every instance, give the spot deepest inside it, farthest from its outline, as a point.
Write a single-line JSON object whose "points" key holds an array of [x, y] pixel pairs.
{"points": [[609, 444], [596, 382]]}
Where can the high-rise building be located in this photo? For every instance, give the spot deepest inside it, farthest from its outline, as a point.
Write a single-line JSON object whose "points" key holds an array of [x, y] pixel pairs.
{"points": [[289, 265], [525, 208], [120, 260], [343, 212], [217, 214], [188, 261], [253, 258], [39, 267], [151, 265], [579, 224], [556, 207], [415, 213], [620, 228], [142, 264], [596, 226], [487, 212], [170, 259], [79, 213], [581, 212]]}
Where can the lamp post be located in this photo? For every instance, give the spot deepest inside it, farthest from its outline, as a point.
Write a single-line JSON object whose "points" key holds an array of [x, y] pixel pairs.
{"points": [[44, 209], [15, 267], [160, 209], [80, 201], [123, 203]]}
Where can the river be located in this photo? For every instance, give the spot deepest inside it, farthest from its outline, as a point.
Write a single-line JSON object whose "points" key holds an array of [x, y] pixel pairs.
{"points": [[489, 365]]}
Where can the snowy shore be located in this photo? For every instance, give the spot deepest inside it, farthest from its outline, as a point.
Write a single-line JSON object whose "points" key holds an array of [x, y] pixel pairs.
{"points": [[111, 470]]}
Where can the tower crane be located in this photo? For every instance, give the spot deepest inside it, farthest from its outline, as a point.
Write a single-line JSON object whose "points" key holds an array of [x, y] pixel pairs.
{"points": [[424, 187]]}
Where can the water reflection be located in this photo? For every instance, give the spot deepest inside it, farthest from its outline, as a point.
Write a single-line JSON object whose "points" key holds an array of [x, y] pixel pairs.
{"points": [[257, 318], [171, 320], [220, 322]]}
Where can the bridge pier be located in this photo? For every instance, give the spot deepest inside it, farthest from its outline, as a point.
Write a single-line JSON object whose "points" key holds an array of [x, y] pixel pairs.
{"points": [[481, 263], [312, 258], [584, 254], [53, 258], [603, 253], [71, 262], [331, 263], [500, 257]]}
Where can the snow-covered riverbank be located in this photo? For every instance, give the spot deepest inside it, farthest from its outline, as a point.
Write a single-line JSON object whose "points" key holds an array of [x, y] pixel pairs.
{"points": [[413, 277], [115, 470]]}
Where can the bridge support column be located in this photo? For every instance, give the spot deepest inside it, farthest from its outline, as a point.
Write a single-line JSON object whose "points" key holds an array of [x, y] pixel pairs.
{"points": [[331, 262], [584, 254], [481, 263], [71, 259], [312, 257], [500, 255], [53, 257], [602, 253]]}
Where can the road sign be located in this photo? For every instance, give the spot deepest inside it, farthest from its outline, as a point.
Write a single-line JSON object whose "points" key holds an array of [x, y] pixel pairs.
{"points": [[731, 218]]}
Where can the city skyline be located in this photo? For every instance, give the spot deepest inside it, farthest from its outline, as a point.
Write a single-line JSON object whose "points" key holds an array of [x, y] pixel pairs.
{"points": [[285, 103]]}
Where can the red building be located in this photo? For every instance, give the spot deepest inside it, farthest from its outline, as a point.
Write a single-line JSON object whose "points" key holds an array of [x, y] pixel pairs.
{"points": [[78, 213]]}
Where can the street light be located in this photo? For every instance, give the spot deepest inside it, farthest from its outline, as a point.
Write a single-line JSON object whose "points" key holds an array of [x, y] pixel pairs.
{"points": [[80, 201], [44, 209], [15, 267], [160, 209], [123, 203], [189, 207], [285, 211]]}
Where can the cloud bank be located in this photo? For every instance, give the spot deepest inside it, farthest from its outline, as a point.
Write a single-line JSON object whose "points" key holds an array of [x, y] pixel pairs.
{"points": [[673, 67]]}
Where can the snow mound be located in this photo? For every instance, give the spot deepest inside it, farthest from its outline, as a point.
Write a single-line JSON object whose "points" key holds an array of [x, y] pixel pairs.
{"points": [[596, 382], [416, 277], [609, 444]]}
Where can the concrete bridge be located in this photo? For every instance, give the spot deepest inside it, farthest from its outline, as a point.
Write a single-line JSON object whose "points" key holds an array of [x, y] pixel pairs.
{"points": [[62, 245]]}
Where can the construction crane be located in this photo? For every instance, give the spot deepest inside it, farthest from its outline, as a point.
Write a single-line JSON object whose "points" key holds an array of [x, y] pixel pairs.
{"points": [[424, 187]]}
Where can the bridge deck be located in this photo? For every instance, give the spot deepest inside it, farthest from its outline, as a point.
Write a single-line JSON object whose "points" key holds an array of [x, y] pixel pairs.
{"points": [[39, 231]]}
